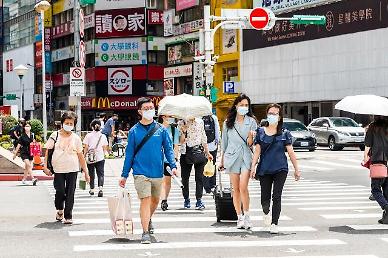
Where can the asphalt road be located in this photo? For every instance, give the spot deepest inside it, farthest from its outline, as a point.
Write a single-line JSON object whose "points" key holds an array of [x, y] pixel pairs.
{"points": [[327, 214]]}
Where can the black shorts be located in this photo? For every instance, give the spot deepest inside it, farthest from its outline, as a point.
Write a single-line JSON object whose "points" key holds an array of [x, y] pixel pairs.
{"points": [[165, 170], [24, 156]]}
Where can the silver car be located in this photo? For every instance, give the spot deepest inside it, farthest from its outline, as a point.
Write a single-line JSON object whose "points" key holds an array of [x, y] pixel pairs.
{"points": [[338, 132], [302, 138]]}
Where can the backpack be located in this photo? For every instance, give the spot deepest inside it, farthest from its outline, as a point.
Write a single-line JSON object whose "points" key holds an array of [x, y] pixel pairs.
{"points": [[210, 128]]}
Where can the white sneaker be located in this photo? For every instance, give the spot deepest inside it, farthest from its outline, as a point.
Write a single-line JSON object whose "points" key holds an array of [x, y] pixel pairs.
{"points": [[24, 182], [241, 222], [274, 229], [267, 220], [247, 222]]}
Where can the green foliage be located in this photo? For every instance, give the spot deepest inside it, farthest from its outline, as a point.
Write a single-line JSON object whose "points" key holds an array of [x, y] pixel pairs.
{"points": [[9, 122], [36, 127], [6, 145]]}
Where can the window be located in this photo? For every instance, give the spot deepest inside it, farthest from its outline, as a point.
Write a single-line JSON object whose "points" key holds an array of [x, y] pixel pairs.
{"points": [[230, 74], [152, 4], [152, 57]]}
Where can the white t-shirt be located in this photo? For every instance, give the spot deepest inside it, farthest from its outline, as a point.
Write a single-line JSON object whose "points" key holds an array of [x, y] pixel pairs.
{"points": [[65, 156], [91, 140]]}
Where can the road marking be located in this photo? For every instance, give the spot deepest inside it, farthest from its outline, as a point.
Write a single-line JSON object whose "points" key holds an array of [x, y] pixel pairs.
{"points": [[208, 244], [327, 198], [169, 220], [340, 208], [385, 239], [325, 256], [351, 216], [328, 190], [338, 165], [104, 210], [369, 227], [324, 203], [191, 230], [314, 168]]}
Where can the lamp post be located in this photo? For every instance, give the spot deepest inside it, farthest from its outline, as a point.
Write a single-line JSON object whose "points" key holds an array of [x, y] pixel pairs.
{"points": [[21, 70], [41, 7]]}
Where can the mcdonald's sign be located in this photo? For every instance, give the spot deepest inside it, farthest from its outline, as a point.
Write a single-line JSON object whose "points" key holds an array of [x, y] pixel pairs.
{"points": [[114, 103]]}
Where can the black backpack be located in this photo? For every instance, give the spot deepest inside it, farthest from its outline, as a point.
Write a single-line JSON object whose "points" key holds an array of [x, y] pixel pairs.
{"points": [[210, 128]]}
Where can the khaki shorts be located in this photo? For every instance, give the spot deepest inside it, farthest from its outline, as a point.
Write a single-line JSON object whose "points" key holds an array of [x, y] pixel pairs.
{"points": [[147, 187]]}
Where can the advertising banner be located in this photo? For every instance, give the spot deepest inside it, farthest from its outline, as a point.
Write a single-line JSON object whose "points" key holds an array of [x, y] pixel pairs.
{"points": [[229, 41], [342, 18], [154, 16], [120, 23], [120, 81], [185, 4], [174, 54], [168, 87], [123, 51], [168, 17], [288, 5], [178, 71], [118, 4]]}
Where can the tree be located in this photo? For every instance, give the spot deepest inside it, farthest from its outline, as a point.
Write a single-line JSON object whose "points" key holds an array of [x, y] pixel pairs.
{"points": [[9, 122], [36, 127]]}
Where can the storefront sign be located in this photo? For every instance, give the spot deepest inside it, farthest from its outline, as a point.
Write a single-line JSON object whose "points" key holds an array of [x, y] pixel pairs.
{"points": [[89, 21], [9, 65], [63, 30], [47, 39], [187, 27], [38, 28], [342, 18], [178, 71], [155, 17], [38, 54], [118, 4], [229, 41], [168, 17], [124, 51], [288, 5], [120, 23], [185, 4], [114, 103], [174, 54], [5, 110], [48, 18], [62, 54], [120, 81], [198, 82], [168, 87]]}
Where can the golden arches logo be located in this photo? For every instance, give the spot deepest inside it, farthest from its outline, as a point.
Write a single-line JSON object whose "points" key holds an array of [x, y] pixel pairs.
{"points": [[103, 103]]}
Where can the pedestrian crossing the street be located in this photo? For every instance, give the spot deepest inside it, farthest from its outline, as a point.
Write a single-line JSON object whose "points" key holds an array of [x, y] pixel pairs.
{"points": [[310, 208]]}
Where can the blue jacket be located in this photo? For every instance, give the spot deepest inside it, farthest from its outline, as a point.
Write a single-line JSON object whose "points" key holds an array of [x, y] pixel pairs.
{"points": [[149, 160]]}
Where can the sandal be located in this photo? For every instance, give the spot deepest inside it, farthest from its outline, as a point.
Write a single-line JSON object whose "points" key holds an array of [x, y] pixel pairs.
{"points": [[68, 222], [59, 216]]}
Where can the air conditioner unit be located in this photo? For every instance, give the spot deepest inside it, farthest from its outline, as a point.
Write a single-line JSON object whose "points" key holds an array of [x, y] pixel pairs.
{"points": [[176, 19]]}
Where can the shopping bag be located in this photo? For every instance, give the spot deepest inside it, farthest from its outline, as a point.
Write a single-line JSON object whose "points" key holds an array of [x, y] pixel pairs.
{"points": [[82, 183], [209, 169], [35, 149], [120, 212]]}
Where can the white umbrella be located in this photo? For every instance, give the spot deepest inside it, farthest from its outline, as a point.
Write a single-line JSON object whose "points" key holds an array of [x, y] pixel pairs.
{"points": [[185, 106], [364, 104]]}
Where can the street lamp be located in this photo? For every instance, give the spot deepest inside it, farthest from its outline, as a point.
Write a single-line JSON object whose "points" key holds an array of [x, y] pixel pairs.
{"points": [[21, 70], [41, 7]]}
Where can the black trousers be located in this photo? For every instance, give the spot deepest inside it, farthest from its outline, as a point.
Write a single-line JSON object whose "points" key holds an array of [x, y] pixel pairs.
{"points": [[65, 184], [210, 182], [99, 168], [380, 191], [277, 180], [186, 171]]}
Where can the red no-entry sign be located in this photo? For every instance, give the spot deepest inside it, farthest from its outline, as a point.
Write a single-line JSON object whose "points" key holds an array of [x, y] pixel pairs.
{"points": [[259, 18]]}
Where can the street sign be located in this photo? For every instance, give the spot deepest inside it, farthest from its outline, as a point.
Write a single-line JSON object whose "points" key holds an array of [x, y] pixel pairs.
{"points": [[49, 86], [82, 54], [230, 87], [259, 18], [81, 23], [77, 81], [10, 96], [308, 19]]}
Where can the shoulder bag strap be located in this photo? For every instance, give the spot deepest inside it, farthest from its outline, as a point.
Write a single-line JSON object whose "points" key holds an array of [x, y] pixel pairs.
{"points": [[98, 142], [145, 139], [245, 141]]}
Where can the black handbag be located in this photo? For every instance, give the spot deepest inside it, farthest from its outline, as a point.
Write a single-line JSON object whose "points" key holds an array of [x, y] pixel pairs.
{"points": [[50, 153], [195, 155]]}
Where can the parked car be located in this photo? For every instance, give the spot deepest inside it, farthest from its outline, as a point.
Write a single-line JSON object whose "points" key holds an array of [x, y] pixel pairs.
{"points": [[302, 138], [338, 132]]}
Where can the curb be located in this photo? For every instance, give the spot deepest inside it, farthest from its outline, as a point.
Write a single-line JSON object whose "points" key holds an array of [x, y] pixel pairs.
{"points": [[18, 177]]}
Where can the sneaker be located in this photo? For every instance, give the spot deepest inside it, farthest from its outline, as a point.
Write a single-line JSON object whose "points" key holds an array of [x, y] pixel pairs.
{"points": [[274, 229], [100, 193], [384, 219], [151, 228], [146, 238], [164, 205], [199, 205], [24, 182], [91, 192], [240, 222], [68, 221], [267, 220], [34, 181], [247, 222], [187, 204], [59, 216]]}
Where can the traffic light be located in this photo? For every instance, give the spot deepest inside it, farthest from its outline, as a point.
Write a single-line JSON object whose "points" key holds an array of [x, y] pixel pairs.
{"points": [[10, 96], [308, 19]]}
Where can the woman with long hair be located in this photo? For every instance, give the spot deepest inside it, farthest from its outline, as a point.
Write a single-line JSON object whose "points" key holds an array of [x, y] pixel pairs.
{"points": [[376, 151], [23, 144], [272, 169], [237, 139]]}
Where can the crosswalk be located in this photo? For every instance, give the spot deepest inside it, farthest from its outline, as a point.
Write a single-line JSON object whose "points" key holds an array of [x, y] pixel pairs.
{"points": [[309, 208]]}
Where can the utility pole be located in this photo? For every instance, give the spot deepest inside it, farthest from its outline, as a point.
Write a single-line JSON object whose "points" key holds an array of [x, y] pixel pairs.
{"points": [[76, 58]]}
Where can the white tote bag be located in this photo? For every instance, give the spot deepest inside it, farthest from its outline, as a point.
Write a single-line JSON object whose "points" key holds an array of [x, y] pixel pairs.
{"points": [[120, 212]]}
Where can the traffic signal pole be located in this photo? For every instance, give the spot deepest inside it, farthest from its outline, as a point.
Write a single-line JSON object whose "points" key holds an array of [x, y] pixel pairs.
{"points": [[76, 58]]}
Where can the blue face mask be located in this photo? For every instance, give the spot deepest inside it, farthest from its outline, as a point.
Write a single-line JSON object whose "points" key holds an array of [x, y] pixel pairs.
{"points": [[272, 119]]}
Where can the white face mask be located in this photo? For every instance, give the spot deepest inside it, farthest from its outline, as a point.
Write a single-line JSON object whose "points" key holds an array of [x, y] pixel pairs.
{"points": [[68, 128], [149, 114], [272, 119], [242, 110]]}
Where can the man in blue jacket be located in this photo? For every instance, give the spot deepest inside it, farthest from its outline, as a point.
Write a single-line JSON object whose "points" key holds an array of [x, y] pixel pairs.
{"points": [[147, 163]]}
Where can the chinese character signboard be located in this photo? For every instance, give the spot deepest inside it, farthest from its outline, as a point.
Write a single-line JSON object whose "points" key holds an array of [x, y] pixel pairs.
{"points": [[341, 18], [120, 81], [120, 23], [187, 27], [38, 54], [178, 71], [185, 4], [198, 82], [155, 16], [62, 30], [118, 4], [174, 54], [168, 17], [123, 51], [168, 86], [287, 5]]}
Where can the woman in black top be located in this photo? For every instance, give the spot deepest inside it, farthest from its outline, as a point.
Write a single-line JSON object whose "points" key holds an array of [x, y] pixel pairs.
{"points": [[24, 142], [376, 149]]}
